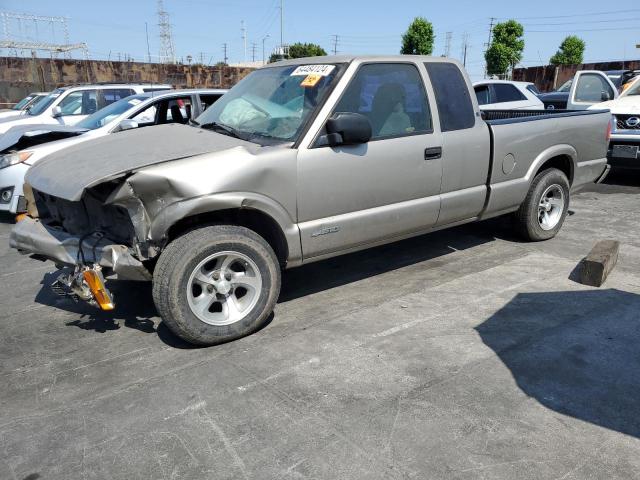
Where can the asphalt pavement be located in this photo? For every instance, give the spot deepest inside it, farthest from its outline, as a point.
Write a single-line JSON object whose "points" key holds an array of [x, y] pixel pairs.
{"points": [[463, 354]]}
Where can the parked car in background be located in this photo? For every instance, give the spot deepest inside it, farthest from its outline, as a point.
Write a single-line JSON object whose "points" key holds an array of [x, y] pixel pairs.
{"points": [[506, 95], [23, 145], [23, 104], [69, 105], [557, 100], [302, 160], [624, 148]]}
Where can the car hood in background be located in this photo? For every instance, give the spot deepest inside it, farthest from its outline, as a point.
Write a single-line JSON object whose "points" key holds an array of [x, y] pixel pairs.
{"points": [[25, 136], [621, 106], [67, 173]]}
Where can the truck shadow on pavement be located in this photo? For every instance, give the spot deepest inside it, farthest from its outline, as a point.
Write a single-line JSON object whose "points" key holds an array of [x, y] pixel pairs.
{"points": [[575, 352]]}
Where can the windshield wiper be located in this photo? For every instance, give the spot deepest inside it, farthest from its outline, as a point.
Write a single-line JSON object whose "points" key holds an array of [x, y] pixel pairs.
{"points": [[222, 128]]}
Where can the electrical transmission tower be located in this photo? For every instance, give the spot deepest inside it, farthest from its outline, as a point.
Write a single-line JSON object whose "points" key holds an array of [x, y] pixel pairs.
{"points": [[40, 23], [447, 45], [167, 48]]}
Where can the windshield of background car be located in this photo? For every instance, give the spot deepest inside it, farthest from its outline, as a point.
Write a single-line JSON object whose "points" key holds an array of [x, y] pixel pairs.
{"points": [[634, 89], [566, 86], [23, 102], [44, 103], [110, 112], [271, 105]]}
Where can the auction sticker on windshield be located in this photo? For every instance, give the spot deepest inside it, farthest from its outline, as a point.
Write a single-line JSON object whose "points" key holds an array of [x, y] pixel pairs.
{"points": [[311, 80], [304, 70]]}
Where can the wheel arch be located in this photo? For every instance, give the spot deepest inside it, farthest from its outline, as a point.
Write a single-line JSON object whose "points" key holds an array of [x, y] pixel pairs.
{"points": [[562, 157], [260, 214]]}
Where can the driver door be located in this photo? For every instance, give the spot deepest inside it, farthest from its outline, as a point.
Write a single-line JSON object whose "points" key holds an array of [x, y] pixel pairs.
{"points": [[351, 196], [590, 87]]}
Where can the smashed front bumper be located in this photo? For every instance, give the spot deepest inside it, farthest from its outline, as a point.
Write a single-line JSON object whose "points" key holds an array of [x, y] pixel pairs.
{"points": [[30, 236]]}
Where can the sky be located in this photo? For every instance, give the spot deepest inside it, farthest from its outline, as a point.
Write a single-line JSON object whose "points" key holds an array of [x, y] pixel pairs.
{"points": [[116, 28]]}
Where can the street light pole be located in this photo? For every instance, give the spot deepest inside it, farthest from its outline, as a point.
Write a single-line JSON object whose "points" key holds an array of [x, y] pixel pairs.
{"points": [[263, 40]]}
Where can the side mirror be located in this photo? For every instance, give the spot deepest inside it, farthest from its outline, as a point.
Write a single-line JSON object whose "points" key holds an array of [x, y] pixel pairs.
{"points": [[605, 97], [347, 129], [56, 112], [127, 124]]}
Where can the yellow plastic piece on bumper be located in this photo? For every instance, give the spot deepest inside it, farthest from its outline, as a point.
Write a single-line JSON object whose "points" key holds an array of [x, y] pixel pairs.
{"points": [[100, 292]]}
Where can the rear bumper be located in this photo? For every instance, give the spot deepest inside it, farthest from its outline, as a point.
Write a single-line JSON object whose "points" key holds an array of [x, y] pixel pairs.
{"points": [[30, 236]]}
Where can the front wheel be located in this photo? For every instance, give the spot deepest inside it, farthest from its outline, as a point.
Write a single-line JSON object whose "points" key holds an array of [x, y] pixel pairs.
{"points": [[216, 284], [543, 211]]}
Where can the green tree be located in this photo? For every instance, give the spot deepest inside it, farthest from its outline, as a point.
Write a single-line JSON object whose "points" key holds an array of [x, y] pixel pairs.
{"points": [[570, 52], [506, 48], [419, 38], [300, 50]]}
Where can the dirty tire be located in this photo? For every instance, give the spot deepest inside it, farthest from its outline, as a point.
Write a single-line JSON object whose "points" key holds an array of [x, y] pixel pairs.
{"points": [[172, 282], [526, 219]]}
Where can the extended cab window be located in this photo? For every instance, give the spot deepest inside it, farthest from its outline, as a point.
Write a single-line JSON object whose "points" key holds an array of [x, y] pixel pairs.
{"points": [[507, 93], [392, 96], [452, 96]]}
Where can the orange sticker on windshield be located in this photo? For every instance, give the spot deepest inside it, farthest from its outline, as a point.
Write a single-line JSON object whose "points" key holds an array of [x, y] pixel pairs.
{"points": [[311, 80]]}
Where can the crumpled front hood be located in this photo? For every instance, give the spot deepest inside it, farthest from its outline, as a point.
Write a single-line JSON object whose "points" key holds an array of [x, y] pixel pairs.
{"points": [[24, 136], [67, 173], [628, 105]]}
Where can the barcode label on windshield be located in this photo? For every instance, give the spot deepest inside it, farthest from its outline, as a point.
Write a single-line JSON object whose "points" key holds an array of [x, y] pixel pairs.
{"points": [[304, 70]]}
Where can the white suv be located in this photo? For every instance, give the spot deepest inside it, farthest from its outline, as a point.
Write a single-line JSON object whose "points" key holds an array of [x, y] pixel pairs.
{"points": [[69, 105]]}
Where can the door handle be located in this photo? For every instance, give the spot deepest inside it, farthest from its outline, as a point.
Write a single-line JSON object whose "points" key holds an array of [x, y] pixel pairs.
{"points": [[432, 153]]}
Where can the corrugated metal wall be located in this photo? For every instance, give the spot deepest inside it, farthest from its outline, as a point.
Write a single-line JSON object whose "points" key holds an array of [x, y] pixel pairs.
{"points": [[550, 77], [19, 76]]}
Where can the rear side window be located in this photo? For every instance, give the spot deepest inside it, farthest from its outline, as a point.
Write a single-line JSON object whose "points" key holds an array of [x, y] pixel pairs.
{"points": [[507, 93], [110, 95], [208, 99], [482, 94], [452, 96]]}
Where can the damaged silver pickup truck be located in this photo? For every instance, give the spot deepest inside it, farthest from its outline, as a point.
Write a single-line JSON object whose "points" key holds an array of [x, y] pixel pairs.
{"points": [[302, 160]]}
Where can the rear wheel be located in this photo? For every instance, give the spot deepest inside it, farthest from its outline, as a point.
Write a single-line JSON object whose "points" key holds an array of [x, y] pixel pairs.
{"points": [[543, 211], [216, 284]]}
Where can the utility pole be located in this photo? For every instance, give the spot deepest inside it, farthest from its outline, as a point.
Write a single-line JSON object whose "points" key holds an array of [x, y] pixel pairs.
{"points": [[146, 31], [335, 44], [244, 39], [263, 40], [282, 26], [465, 47], [224, 49], [447, 45], [201, 58], [254, 46], [488, 44]]}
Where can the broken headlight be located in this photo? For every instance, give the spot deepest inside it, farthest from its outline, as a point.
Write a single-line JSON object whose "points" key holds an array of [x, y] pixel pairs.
{"points": [[12, 158]]}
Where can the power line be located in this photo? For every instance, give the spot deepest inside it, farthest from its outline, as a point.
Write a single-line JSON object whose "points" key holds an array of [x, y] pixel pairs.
{"points": [[609, 12]]}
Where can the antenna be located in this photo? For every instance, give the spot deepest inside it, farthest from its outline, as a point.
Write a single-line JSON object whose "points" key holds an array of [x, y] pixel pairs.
{"points": [[167, 49]]}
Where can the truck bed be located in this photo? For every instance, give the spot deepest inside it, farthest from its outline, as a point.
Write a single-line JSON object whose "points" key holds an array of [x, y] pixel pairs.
{"points": [[523, 140]]}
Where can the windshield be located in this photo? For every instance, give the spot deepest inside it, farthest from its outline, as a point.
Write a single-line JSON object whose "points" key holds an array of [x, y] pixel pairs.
{"points": [[634, 89], [271, 105], [566, 86], [107, 114], [20, 105], [44, 103]]}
